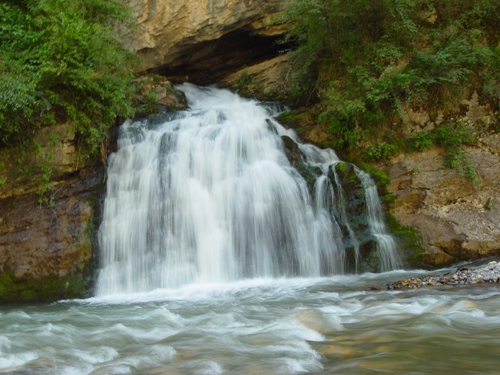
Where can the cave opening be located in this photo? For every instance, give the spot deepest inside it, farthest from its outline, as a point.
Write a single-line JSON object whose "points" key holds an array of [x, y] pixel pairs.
{"points": [[209, 61]]}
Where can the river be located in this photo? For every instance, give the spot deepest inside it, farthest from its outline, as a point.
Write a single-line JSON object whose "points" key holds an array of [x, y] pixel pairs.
{"points": [[332, 325]]}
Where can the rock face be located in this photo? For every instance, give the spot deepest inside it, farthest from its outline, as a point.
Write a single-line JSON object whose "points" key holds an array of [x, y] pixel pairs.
{"points": [[269, 80], [47, 249], [205, 39], [456, 220]]}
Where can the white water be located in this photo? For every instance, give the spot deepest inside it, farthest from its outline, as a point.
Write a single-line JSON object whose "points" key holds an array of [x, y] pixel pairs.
{"points": [[209, 196], [389, 257], [333, 325]]}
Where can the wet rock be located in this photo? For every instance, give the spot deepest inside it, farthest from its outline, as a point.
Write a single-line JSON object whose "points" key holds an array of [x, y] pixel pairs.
{"points": [[155, 90], [292, 151], [336, 351], [182, 355], [318, 322], [302, 121], [165, 370], [463, 276]]}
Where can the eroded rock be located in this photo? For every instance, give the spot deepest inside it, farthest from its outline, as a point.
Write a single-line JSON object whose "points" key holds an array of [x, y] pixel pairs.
{"points": [[47, 240], [204, 39], [456, 220], [269, 80]]}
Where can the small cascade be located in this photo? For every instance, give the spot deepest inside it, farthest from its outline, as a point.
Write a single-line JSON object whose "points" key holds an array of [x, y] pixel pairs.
{"points": [[209, 195], [387, 251]]}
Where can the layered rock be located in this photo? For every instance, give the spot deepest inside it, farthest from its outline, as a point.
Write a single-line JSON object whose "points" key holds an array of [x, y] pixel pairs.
{"points": [[457, 221], [47, 240], [204, 40]]}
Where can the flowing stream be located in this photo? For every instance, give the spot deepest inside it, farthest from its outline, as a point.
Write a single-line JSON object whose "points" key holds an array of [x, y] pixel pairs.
{"points": [[331, 325], [218, 257]]}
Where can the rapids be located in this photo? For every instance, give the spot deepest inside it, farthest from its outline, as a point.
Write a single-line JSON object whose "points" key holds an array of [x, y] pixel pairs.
{"points": [[332, 325]]}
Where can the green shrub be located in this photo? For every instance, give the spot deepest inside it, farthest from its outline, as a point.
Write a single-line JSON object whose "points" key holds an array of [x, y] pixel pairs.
{"points": [[367, 61], [62, 61], [380, 151]]}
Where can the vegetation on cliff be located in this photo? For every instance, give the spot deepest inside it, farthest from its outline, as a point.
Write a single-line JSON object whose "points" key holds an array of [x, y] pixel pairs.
{"points": [[62, 62], [367, 63]]}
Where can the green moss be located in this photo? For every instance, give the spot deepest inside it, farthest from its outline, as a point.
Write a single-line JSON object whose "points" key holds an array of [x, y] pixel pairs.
{"points": [[381, 178], [341, 167], [245, 80], [50, 288], [408, 238], [410, 241], [310, 174], [292, 116]]}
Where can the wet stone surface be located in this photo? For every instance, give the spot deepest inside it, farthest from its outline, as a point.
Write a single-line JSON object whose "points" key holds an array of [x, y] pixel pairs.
{"points": [[463, 276]]}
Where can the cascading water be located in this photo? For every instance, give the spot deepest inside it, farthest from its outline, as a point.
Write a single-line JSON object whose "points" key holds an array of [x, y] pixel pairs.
{"points": [[387, 251], [208, 195]]}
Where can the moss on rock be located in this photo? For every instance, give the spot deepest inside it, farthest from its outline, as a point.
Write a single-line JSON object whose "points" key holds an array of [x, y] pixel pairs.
{"points": [[50, 288]]}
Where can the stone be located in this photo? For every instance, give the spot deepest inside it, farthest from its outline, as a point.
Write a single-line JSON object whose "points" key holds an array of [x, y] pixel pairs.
{"points": [[268, 80], [444, 207], [204, 39], [165, 370], [470, 276], [336, 351], [318, 322], [46, 249]]}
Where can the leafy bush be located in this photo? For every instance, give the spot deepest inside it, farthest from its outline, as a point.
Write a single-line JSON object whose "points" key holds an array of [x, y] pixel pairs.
{"points": [[380, 151], [367, 61], [62, 61]]}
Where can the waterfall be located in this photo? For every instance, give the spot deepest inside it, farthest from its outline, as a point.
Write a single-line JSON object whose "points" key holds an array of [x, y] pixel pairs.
{"points": [[389, 257], [208, 195]]}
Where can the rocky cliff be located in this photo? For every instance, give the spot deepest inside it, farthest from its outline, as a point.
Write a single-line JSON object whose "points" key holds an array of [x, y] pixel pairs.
{"points": [[457, 220], [202, 41], [50, 207], [47, 241]]}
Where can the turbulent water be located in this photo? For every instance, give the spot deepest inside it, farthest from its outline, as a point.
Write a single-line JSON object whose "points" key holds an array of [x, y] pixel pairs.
{"points": [[208, 195], [333, 325]]}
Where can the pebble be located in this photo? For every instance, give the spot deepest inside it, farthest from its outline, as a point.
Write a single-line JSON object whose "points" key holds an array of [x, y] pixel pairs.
{"points": [[463, 276]]}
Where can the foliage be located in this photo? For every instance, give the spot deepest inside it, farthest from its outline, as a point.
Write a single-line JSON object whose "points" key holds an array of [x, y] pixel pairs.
{"points": [[381, 150], [366, 62], [62, 62]]}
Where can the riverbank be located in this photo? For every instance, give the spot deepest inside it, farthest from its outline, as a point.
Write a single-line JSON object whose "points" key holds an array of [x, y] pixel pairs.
{"points": [[464, 275]]}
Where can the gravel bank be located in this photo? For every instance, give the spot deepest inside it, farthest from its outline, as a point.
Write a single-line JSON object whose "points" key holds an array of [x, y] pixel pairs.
{"points": [[463, 276]]}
